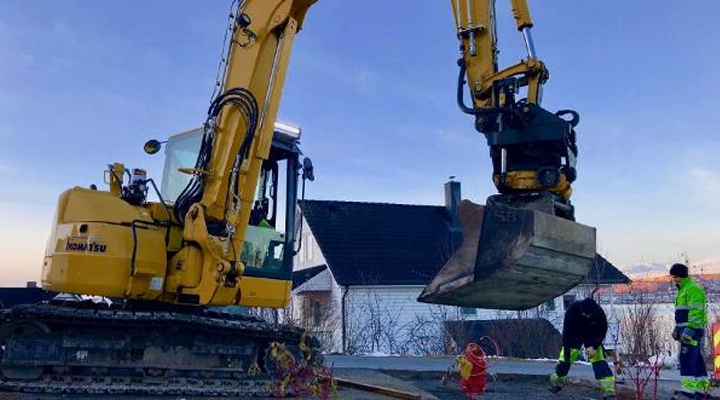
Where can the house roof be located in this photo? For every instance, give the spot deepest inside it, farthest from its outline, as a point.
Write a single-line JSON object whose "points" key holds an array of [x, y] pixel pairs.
{"points": [[301, 276], [394, 244], [380, 243]]}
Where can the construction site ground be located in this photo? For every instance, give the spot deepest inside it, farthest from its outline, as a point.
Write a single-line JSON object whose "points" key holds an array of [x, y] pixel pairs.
{"points": [[509, 379]]}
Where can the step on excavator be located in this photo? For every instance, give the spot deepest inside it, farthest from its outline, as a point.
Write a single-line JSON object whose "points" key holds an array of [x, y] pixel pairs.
{"points": [[215, 236]]}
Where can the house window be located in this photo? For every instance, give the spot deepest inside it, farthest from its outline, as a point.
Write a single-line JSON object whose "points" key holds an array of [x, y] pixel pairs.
{"points": [[550, 305], [467, 311], [568, 299], [312, 312], [307, 251]]}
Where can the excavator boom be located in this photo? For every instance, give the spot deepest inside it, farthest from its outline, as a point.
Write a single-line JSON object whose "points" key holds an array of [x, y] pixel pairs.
{"points": [[523, 247], [216, 243]]}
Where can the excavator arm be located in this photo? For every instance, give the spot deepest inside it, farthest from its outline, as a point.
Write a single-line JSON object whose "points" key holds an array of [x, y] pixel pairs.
{"points": [[475, 21], [216, 205], [522, 248], [533, 150], [514, 128]]}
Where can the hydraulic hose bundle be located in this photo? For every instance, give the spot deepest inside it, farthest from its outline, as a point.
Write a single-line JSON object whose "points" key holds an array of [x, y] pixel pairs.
{"points": [[244, 101]]}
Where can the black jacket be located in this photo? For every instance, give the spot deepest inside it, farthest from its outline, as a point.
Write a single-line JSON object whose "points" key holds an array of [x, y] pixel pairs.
{"points": [[579, 330]]}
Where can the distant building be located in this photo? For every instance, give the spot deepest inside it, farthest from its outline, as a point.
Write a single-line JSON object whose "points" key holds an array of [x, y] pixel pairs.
{"points": [[362, 266], [30, 294]]}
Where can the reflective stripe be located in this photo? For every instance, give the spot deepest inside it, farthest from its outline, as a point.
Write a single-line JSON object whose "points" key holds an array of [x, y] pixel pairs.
{"points": [[703, 385], [682, 307], [688, 383], [699, 306], [681, 324], [599, 355], [695, 324], [557, 380], [608, 384], [574, 355]]}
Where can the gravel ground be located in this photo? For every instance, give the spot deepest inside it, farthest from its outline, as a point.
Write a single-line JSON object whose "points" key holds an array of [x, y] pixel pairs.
{"points": [[428, 384]]}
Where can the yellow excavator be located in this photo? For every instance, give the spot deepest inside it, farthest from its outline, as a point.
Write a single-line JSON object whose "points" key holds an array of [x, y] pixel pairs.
{"points": [[213, 237]]}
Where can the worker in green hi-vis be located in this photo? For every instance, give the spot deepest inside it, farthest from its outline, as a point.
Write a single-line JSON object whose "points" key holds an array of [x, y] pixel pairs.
{"points": [[690, 321]]}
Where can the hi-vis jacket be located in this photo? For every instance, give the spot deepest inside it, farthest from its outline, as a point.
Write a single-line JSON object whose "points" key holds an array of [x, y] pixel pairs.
{"points": [[690, 305]]}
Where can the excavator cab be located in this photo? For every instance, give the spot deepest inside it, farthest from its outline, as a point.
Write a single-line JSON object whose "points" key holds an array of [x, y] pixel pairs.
{"points": [[269, 244]]}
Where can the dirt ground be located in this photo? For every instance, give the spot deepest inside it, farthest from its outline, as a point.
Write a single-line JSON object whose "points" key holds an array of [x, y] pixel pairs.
{"points": [[428, 385]]}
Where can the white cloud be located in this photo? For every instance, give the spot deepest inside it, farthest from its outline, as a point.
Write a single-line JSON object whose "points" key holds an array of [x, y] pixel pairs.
{"points": [[467, 137], [707, 183]]}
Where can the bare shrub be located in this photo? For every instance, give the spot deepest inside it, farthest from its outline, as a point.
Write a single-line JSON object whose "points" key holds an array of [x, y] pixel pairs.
{"points": [[317, 317], [427, 334], [373, 325], [645, 342]]}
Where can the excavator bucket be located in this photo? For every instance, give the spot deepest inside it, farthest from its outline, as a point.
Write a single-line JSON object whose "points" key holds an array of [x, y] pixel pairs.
{"points": [[512, 259]]}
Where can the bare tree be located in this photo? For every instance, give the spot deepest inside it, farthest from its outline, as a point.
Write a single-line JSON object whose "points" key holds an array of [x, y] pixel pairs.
{"points": [[316, 316], [645, 342], [373, 324], [429, 333]]}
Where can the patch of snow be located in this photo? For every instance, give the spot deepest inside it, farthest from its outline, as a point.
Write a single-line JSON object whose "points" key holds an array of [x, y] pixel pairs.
{"points": [[377, 354]]}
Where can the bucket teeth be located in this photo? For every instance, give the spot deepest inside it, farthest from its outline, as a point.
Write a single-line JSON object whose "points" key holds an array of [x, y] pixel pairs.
{"points": [[512, 259]]}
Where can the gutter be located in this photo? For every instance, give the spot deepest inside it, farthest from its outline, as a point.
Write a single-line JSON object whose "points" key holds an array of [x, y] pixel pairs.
{"points": [[344, 319]]}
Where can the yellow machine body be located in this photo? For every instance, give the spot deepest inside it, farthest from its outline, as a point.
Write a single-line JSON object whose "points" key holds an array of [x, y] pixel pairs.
{"points": [[194, 249], [213, 237], [91, 248]]}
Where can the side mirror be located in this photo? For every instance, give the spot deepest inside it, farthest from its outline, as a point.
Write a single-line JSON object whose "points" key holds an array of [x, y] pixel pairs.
{"points": [[308, 170], [152, 146]]}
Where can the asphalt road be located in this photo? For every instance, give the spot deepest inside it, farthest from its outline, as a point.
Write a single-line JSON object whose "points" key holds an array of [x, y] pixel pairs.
{"points": [[497, 366]]}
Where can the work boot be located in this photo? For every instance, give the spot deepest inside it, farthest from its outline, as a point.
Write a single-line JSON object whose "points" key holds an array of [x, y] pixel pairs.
{"points": [[609, 396], [556, 383], [680, 395], [705, 396], [555, 389]]}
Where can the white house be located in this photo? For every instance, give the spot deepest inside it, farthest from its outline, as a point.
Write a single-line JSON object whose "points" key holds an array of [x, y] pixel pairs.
{"points": [[362, 266]]}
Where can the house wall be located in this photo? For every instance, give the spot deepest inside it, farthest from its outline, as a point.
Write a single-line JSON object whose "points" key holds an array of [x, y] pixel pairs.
{"points": [[386, 319], [329, 331], [310, 254], [389, 319]]}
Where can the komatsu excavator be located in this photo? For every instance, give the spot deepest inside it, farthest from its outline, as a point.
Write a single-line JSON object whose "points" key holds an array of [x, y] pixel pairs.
{"points": [[213, 237]]}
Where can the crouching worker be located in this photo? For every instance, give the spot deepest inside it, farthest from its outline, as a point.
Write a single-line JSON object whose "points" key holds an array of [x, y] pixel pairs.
{"points": [[585, 325]]}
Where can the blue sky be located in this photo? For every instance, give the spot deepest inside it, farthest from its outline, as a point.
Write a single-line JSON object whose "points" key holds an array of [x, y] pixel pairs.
{"points": [[372, 82]]}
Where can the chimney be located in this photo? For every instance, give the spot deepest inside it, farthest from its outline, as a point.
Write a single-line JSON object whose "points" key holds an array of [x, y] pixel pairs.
{"points": [[31, 284], [452, 198]]}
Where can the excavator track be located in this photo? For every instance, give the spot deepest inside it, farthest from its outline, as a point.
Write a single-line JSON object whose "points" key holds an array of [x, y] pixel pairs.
{"points": [[96, 349]]}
